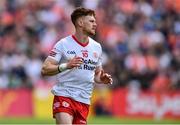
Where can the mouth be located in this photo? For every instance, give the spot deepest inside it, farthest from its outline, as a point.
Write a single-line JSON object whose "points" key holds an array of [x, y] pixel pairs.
{"points": [[94, 29]]}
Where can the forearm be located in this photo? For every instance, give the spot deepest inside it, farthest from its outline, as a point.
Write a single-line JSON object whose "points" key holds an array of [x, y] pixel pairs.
{"points": [[51, 67], [97, 77], [49, 70]]}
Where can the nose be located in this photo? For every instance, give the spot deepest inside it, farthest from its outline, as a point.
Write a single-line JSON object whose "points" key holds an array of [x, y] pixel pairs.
{"points": [[95, 25]]}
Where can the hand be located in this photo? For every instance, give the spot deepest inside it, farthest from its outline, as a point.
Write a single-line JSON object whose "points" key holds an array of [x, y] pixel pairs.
{"points": [[74, 62], [105, 78]]}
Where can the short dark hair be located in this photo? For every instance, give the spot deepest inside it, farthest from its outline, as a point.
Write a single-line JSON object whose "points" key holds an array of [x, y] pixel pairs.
{"points": [[79, 12]]}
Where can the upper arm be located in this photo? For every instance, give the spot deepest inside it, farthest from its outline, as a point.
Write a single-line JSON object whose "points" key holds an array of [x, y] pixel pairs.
{"points": [[57, 52], [99, 62], [49, 67], [50, 61]]}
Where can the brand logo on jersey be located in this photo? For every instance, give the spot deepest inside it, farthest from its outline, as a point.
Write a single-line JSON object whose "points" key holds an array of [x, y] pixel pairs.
{"points": [[84, 53], [65, 104], [71, 52], [89, 61], [88, 64]]}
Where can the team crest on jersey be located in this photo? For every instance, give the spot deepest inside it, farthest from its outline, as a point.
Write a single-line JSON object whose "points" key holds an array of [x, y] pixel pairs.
{"points": [[84, 53], [95, 55], [65, 104]]}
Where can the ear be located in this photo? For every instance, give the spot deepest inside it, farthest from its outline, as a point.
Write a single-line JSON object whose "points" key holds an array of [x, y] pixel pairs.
{"points": [[80, 22]]}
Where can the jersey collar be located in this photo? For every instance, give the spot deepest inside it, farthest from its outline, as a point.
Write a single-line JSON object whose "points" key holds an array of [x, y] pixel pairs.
{"points": [[80, 43]]}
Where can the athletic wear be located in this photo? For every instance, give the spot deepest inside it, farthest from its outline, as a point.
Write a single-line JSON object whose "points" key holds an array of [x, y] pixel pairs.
{"points": [[74, 108], [76, 83]]}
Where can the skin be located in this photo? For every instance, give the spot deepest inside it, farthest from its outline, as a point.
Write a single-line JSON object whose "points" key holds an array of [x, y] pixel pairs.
{"points": [[84, 26]]}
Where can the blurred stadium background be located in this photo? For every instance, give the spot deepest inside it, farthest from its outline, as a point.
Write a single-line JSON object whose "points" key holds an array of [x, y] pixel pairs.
{"points": [[141, 49]]}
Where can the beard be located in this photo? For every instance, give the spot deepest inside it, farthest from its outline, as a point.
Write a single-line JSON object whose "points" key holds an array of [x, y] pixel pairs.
{"points": [[90, 33]]}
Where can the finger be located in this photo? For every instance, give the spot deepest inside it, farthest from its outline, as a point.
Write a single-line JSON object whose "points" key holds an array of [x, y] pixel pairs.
{"points": [[111, 81], [78, 60], [107, 76]]}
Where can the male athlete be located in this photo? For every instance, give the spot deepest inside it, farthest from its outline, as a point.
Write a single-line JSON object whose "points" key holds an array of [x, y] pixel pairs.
{"points": [[76, 61]]}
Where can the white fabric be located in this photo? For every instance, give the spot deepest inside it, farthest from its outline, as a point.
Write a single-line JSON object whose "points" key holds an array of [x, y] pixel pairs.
{"points": [[76, 83]]}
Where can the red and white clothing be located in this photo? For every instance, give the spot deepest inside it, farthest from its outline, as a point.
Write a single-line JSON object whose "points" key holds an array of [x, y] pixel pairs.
{"points": [[74, 108], [76, 83]]}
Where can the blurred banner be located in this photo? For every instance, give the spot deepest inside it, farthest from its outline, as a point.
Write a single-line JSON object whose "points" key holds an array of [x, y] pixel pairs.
{"points": [[146, 104], [15, 102], [119, 103], [42, 99]]}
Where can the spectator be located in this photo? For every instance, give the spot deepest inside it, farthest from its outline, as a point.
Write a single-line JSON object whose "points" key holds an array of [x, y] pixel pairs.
{"points": [[140, 38]]}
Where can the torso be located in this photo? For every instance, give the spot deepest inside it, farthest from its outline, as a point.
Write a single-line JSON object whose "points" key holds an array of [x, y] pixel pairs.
{"points": [[77, 83]]}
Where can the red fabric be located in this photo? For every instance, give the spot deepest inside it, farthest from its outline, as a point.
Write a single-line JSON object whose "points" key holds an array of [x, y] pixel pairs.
{"points": [[78, 110], [80, 43]]}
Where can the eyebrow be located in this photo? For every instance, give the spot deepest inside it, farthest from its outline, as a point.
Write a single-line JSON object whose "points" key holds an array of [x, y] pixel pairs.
{"points": [[92, 20]]}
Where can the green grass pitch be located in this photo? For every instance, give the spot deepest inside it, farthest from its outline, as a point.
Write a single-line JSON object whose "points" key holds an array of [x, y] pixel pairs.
{"points": [[92, 120]]}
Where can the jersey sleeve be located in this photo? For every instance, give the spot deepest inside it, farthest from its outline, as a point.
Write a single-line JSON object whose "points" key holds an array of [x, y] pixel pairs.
{"points": [[99, 63], [56, 52]]}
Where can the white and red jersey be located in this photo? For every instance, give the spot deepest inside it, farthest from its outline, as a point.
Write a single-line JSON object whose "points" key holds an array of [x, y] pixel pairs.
{"points": [[76, 83]]}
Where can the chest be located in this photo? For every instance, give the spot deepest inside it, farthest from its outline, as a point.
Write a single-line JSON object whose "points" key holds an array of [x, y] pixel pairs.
{"points": [[88, 54]]}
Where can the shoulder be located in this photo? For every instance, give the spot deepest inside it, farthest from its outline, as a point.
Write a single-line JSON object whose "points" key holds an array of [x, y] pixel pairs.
{"points": [[63, 41], [94, 43]]}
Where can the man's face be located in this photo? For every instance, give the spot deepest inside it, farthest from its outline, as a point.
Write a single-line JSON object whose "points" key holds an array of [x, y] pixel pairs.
{"points": [[89, 25]]}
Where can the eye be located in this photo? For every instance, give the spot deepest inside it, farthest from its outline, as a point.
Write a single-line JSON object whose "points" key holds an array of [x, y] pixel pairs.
{"points": [[92, 21]]}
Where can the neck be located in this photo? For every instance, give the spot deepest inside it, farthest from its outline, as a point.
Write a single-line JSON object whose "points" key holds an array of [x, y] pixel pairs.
{"points": [[81, 37]]}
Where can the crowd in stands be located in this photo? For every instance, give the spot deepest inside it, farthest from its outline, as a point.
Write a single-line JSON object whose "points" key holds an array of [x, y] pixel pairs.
{"points": [[140, 39]]}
